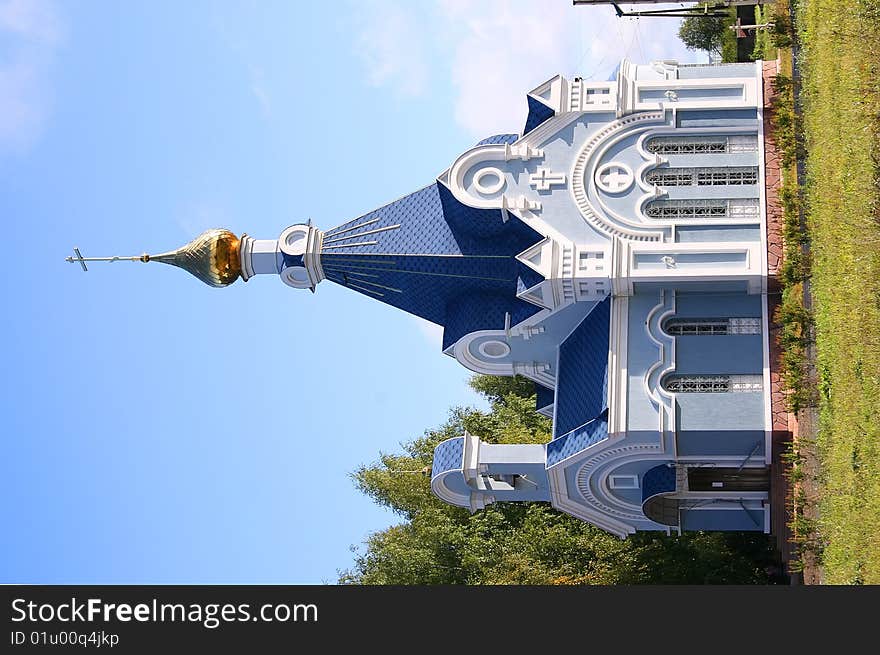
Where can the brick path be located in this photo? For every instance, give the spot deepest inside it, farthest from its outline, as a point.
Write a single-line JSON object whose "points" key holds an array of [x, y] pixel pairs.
{"points": [[784, 425]]}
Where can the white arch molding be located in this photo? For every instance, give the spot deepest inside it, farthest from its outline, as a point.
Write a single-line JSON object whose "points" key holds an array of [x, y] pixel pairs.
{"points": [[589, 153]]}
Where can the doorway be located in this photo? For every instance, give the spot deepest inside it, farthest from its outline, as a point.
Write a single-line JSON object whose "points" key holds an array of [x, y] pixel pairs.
{"points": [[710, 478]]}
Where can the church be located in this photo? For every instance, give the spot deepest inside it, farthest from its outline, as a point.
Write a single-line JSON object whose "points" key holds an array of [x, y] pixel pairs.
{"points": [[615, 253]]}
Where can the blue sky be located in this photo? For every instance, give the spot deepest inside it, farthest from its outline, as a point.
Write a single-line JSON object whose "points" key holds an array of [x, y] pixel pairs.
{"points": [[160, 431]]}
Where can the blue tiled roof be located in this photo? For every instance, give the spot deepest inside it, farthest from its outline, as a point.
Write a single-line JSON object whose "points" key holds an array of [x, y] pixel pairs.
{"points": [[473, 227], [577, 440], [658, 480], [434, 257], [544, 397], [581, 387], [528, 276], [448, 455], [538, 113], [470, 312], [498, 139], [412, 224], [430, 221]]}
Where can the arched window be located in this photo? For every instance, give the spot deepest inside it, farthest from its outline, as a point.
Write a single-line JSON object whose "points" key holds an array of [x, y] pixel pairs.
{"points": [[699, 209], [713, 383], [718, 176], [702, 144], [707, 326]]}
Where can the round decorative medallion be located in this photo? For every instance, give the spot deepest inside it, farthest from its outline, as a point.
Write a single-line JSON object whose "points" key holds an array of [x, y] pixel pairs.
{"points": [[614, 177], [494, 349], [488, 180]]}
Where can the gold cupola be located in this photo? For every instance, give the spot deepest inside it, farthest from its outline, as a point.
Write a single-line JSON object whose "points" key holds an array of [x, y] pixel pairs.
{"points": [[213, 257]]}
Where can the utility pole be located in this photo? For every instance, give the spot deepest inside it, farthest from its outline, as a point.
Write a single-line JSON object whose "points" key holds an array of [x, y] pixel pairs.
{"points": [[713, 9]]}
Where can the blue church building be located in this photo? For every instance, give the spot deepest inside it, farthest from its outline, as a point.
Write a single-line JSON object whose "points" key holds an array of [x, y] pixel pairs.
{"points": [[615, 254]]}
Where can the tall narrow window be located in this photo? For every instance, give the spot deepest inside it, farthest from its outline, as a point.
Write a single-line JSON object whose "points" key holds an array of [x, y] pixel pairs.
{"points": [[671, 145], [702, 144], [699, 209], [713, 383], [691, 326], [720, 176], [684, 209]]}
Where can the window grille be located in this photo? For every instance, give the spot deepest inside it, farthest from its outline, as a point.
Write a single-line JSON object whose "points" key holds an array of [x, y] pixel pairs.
{"points": [[663, 145], [670, 177], [713, 383], [690, 209], [685, 327], [702, 145], [680, 328], [726, 176], [697, 383], [686, 209], [721, 176]]}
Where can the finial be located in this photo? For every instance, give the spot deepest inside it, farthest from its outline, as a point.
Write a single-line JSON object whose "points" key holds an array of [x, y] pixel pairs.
{"points": [[82, 260], [213, 257]]}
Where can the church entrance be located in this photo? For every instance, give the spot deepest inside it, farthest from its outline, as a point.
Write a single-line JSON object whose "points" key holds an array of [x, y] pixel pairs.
{"points": [[728, 479]]}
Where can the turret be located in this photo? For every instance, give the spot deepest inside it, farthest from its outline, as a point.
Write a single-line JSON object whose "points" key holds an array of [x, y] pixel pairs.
{"points": [[471, 473]]}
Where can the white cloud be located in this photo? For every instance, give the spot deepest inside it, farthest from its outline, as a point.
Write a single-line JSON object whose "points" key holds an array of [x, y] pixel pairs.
{"points": [[494, 51], [506, 48], [501, 51], [391, 43], [33, 31]]}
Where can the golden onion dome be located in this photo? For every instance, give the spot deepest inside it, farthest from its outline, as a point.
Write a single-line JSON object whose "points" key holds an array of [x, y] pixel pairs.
{"points": [[213, 257]]}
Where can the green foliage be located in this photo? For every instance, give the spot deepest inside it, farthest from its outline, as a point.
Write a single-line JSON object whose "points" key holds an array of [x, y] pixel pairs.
{"points": [[523, 543], [794, 338], [496, 387], [840, 64], [786, 127], [777, 35], [781, 30], [763, 48], [729, 44], [795, 321], [703, 33]]}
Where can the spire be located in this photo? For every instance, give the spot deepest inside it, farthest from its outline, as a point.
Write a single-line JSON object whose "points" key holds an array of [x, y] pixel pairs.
{"points": [[213, 257]]}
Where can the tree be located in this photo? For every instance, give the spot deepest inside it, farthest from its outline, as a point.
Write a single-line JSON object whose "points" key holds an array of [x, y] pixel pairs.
{"points": [[522, 543], [703, 33]]}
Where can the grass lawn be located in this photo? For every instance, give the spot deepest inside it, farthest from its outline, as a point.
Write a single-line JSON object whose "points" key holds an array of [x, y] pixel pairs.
{"points": [[840, 67]]}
